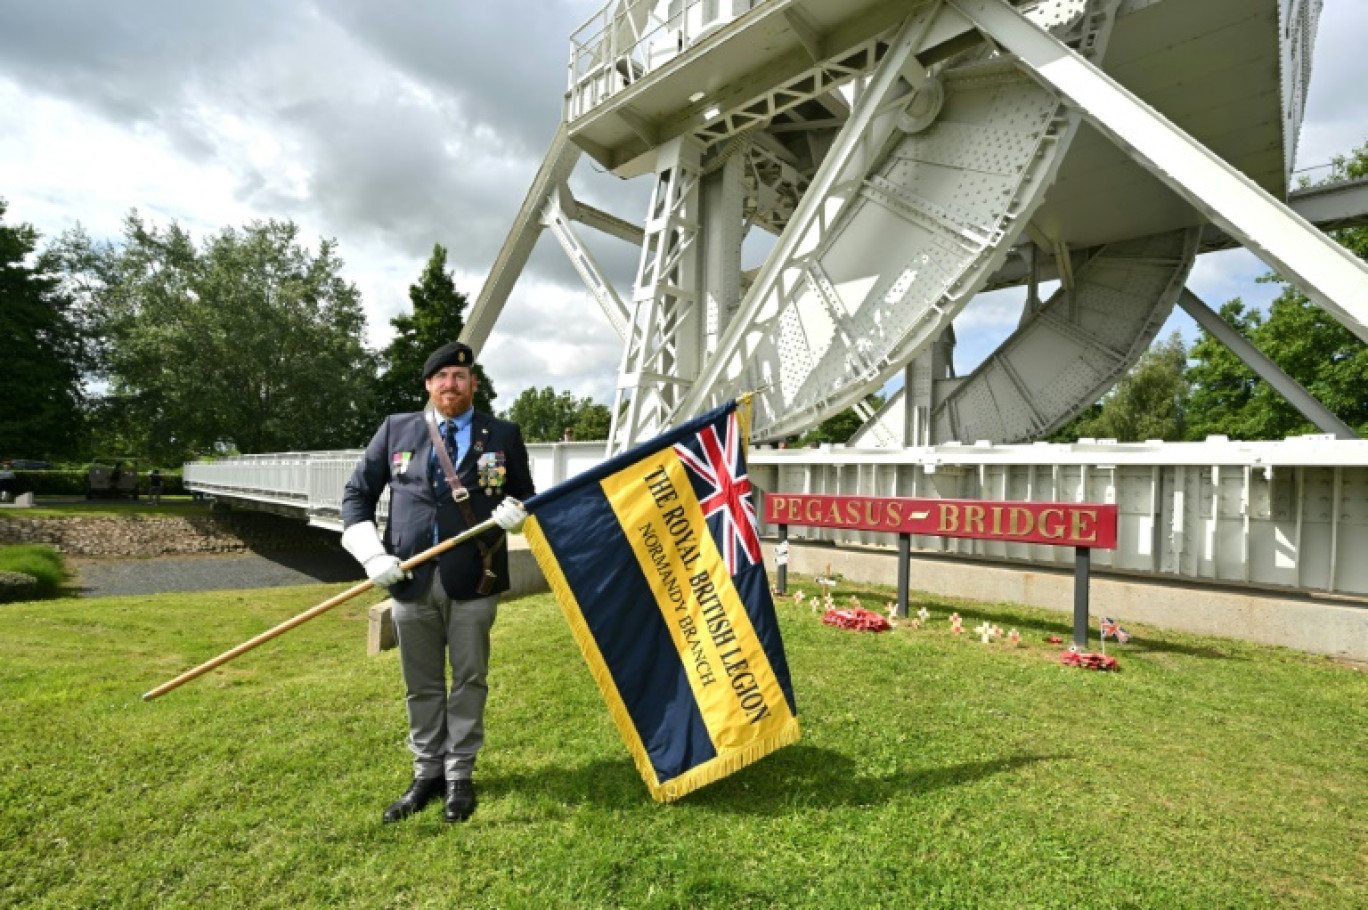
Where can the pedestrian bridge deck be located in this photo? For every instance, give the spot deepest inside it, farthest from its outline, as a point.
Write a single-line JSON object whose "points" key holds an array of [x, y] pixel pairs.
{"points": [[1290, 516]]}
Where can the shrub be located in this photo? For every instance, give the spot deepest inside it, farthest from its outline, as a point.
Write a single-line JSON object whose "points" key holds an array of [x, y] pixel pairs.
{"points": [[72, 482], [17, 586], [41, 563], [52, 483]]}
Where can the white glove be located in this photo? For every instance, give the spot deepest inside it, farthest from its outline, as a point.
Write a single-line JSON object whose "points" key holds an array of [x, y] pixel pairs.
{"points": [[509, 515], [362, 541]]}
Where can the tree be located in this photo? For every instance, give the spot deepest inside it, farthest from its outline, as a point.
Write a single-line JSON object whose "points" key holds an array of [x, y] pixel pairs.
{"points": [[1150, 401], [247, 342], [1222, 386], [544, 416], [1305, 341], [838, 428], [437, 319], [1302, 339], [43, 354], [593, 421]]}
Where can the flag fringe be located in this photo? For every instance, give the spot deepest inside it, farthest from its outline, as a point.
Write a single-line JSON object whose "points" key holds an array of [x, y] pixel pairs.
{"points": [[743, 422], [730, 762], [701, 775]]}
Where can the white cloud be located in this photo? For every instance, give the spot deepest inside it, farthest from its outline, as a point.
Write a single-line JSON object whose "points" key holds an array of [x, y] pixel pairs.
{"points": [[392, 128]]}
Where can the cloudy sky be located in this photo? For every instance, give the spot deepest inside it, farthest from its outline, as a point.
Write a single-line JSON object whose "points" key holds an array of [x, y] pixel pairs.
{"points": [[392, 127]]}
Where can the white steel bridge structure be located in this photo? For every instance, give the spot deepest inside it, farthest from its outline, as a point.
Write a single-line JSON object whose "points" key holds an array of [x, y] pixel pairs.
{"points": [[906, 156]]}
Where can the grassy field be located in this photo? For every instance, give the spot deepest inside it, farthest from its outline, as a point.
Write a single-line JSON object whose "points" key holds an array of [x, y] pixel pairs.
{"points": [[934, 771], [65, 507]]}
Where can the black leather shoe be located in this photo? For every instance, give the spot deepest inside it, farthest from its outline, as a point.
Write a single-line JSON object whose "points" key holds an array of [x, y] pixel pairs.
{"points": [[460, 800], [422, 791]]}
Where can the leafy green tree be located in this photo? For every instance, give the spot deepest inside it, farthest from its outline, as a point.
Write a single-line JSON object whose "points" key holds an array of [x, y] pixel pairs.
{"points": [[43, 354], [247, 342], [544, 415], [593, 421], [1306, 342], [1150, 401], [838, 428], [437, 319]]}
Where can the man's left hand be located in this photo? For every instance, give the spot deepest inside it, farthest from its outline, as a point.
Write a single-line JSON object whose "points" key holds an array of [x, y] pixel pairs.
{"points": [[509, 515]]}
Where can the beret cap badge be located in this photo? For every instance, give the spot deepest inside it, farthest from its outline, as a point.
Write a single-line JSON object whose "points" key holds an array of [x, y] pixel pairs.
{"points": [[454, 354]]}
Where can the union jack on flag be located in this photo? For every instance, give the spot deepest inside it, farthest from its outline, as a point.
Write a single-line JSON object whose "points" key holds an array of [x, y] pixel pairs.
{"points": [[659, 613], [1112, 628], [717, 468]]}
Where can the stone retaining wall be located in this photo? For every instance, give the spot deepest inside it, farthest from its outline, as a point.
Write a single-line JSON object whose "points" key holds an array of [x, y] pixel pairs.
{"points": [[168, 535]]}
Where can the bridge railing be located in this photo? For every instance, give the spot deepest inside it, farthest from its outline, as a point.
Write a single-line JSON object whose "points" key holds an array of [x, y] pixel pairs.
{"points": [[308, 485], [1289, 515], [627, 39]]}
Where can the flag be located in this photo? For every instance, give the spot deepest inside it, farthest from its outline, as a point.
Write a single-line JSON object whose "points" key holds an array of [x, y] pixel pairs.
{"points": [[655, 559], [1113, 628]]}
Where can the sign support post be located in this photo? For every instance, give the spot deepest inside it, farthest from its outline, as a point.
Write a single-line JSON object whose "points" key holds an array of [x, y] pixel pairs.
{"points": [[781, 562], [1082, 573], [904, 571]]}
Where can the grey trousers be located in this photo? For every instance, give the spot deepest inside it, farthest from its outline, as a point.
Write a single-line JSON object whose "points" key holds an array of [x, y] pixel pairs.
{"points": [[446, 728]]}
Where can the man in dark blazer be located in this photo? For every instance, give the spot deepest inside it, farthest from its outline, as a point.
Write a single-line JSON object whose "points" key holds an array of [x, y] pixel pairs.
{"points": [[445, 610]]}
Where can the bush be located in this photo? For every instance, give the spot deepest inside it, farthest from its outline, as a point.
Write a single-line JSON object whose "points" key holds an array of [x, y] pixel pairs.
{"points": [[17, 586], [72, 482], [52, 483], [41, 563]]}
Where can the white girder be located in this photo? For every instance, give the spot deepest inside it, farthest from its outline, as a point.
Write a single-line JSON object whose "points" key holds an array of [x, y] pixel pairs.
{"points": [[1068, 353], [1327, 273], [555, 170], [723, 204], [556, 218], [1267, 370], [663, 343], [1297, 20], [896, 232], [824, 78]]}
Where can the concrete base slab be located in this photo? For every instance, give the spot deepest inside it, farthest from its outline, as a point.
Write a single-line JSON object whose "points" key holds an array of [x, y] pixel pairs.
{"points": [[1319, 625]]}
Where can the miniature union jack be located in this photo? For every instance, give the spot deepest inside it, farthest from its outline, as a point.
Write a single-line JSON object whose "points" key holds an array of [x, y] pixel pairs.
{"points": [[1112, 628], [717, 467]]}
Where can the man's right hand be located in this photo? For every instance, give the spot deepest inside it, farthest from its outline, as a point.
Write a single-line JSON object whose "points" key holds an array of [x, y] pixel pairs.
{"points": [[362, 541], [384, 571]]}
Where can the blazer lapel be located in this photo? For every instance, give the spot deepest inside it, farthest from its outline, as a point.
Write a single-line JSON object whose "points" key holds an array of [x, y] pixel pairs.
{"points": [[479, 441], [422, 453]]}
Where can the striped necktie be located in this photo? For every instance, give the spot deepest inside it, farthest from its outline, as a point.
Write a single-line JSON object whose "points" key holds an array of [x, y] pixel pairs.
{"points": [[452, 447]]}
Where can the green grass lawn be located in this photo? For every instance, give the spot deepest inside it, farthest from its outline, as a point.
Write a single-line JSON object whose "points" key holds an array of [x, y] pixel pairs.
{"points": [[63, 507], [934, 771]]}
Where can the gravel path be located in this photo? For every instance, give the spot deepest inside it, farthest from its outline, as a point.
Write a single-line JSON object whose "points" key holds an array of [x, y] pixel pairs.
{"points": [[110, 577]]}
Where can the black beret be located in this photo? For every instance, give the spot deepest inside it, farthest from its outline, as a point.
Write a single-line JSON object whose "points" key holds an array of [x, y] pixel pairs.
{"points": [[448, 355]]}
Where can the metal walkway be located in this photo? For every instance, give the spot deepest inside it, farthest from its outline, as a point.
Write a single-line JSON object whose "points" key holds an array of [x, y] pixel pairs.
{"points": [[1289, 516]]}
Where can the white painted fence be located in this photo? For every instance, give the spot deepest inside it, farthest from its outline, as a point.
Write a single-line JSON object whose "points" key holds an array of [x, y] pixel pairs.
{"points": [[1285, 515]]}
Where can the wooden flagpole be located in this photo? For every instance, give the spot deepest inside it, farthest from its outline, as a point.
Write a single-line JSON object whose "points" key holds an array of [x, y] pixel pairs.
{"points": [[310, 613]]}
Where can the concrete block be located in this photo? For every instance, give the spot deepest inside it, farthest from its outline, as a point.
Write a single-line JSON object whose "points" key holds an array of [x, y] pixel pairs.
{"points": [[524, 575], [380, 629]]}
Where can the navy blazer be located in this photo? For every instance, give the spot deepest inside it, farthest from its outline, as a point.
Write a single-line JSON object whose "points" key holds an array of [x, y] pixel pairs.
{"points": [[400, 456]]}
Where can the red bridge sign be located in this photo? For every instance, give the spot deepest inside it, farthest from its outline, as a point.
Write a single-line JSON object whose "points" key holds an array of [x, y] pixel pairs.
{"points": [[1069, 524]]}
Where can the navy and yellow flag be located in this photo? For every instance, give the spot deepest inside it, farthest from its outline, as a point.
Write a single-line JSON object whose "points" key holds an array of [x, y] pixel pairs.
{"points": [[655, 559]]}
